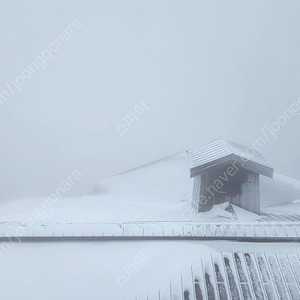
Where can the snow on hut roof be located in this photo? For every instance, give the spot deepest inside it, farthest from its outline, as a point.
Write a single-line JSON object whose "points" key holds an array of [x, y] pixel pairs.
{"points": [[222, 151]]}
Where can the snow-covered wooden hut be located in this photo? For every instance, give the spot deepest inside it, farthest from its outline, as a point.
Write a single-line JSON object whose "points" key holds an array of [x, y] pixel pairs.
{"points": [[224, 171]]}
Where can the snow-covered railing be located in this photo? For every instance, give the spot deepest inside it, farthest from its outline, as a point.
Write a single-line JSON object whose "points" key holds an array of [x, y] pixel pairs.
{"points": [[260, 231]]}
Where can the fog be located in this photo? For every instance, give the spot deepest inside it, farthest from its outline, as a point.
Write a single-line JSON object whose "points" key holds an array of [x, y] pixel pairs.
{"points": [[200, 70]]}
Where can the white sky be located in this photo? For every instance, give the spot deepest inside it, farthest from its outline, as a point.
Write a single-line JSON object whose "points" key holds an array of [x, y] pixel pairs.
{"points": [[206, 69]]}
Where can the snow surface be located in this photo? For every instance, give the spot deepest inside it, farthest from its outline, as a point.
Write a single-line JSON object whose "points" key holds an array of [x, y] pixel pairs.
{"points": [[88, 270], [99, 209], [279, 190]]}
